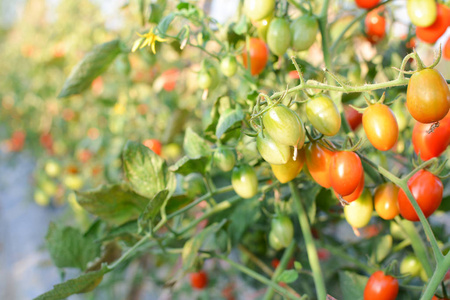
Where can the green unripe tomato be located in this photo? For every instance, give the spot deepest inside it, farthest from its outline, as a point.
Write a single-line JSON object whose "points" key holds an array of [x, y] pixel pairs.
{"points": [[303, 32], [323, 115], [244, 181], [273, 153], [73, 182], [263, 26], [41, 198], [52, 168], [274, 242], [410, 265], [224, 159], [279, 36], [194, 185], [283, 125], [228, 66], [48, 187], [422, 13], [359, 212], [204, 80], [281, 232], [258, 9], [301, 141]]}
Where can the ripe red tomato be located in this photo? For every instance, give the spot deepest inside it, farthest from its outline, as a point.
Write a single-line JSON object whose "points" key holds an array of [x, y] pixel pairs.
{"points": [[385, 200], [381, 286], [199, 280], [432, 33], [354, 118], [170, 78], [318, 160], [375, 25], [356, 193], [259, 54], [367, 4], [345, 172], [380, 126], [17, 141], [154, 145], [427, 96], [430, 145], [427, 189], [446, 51]]}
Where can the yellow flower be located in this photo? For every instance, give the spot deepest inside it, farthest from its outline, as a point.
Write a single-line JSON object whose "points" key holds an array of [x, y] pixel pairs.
{"points": [[147, 39]]}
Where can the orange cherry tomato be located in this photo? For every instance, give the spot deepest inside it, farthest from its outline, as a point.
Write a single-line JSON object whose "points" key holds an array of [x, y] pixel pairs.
{"points": [[385, 200], [375, 25], [446, 51], [356, 193], [381, 126], [318, 160], [354, 117], [367, 4], [345, 172], [259, 55], [432, 33]]}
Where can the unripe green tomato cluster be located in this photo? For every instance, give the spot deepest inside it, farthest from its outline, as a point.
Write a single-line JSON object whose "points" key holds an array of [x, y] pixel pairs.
{"points": [[244, 181], [281, 232]]}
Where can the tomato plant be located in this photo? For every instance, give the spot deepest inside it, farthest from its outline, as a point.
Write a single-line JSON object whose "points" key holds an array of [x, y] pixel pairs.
{"points": [[259, 55], [380, 126], [381, 286]]}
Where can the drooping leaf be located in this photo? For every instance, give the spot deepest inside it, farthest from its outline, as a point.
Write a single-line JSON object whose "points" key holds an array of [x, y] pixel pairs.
{"points": [[165, 23], [81, 284], [146, 171], [93, 64], [194, 145], [352, 285], [69, 248], [116, 203], [151, 210], [288, 276], [186, 165], [228, 119]]}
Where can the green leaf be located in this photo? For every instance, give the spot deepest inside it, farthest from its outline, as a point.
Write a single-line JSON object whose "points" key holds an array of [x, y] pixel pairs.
{"points": [[126, 229], [245, 214], [228, 119], [69, 248], [352, 285], [146, 171], [177, 202], [153, 207], [93, 64], [186, 165], [77, 285], [164, 24], [193, 245], [297, 265], [241, 26], [194, 145], [288, 276], [116, 203], [381, 247]]}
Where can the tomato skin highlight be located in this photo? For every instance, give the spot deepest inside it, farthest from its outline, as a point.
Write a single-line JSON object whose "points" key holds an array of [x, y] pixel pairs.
{"points": [[422, 13], [359, 212], [318, 160], [381, 286], [381, 126], [259, 55], [355, 194], [433, 32], [427, 96], [279, 36], [385, 200], [366, 4], [199, 280], [244, 181], [288, 171], [324, 115], [427, 189], [304, 32], [345, 172], [283, 125], [375, 26], [433, 144]]}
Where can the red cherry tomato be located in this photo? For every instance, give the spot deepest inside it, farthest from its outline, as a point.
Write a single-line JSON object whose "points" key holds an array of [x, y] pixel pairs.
{"points": [[375, 25], [356, 193], [17, 141], [427, 189], [385, 200], [354, 118], [345, 172], [381, 286], [446, 51], [259, 54], [199, 280], [381, 126], [367, 4], [170, 78], [432, 33], [153, 145], [430, 145], [318, 160]]}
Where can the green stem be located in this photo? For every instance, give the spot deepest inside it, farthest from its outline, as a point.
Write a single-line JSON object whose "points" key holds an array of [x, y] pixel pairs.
{"points": [[281, 267], [298, 6], [438, 276], [130, 251], [310, 245]]}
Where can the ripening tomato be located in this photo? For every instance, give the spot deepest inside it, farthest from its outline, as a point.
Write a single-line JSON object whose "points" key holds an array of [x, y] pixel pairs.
{"points": [[446, 51], [224, 158], [281, 232], [345, 172], [228, 66], [244, 181], [258, 9], [367, 4], [304, 32], [283, 125], [422, 13], [433, 144], [380, 126], [375, 25], [199, 280], [279, 36], [427, 189], [262, 27], [204, 80], [354, 117], [410, 265], [356, 193], [288, 171], [73, 181], [318, 160], [259, 55], [271, 151], [359, 212], [427, 96], [381, 286], [433, 32], [385, 200], [170, 78], [324, 115], [154, 145]]}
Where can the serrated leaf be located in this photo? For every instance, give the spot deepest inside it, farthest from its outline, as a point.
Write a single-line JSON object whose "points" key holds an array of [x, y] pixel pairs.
{"points": [[193, 245], [151, 210], [77, 285], [165, 23], [288, 276], [381, 247], [93, 64], [228, 119], [147, 172], [116, 203], [186, 165], [194, 145], [352, 285], [69, 248]]}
